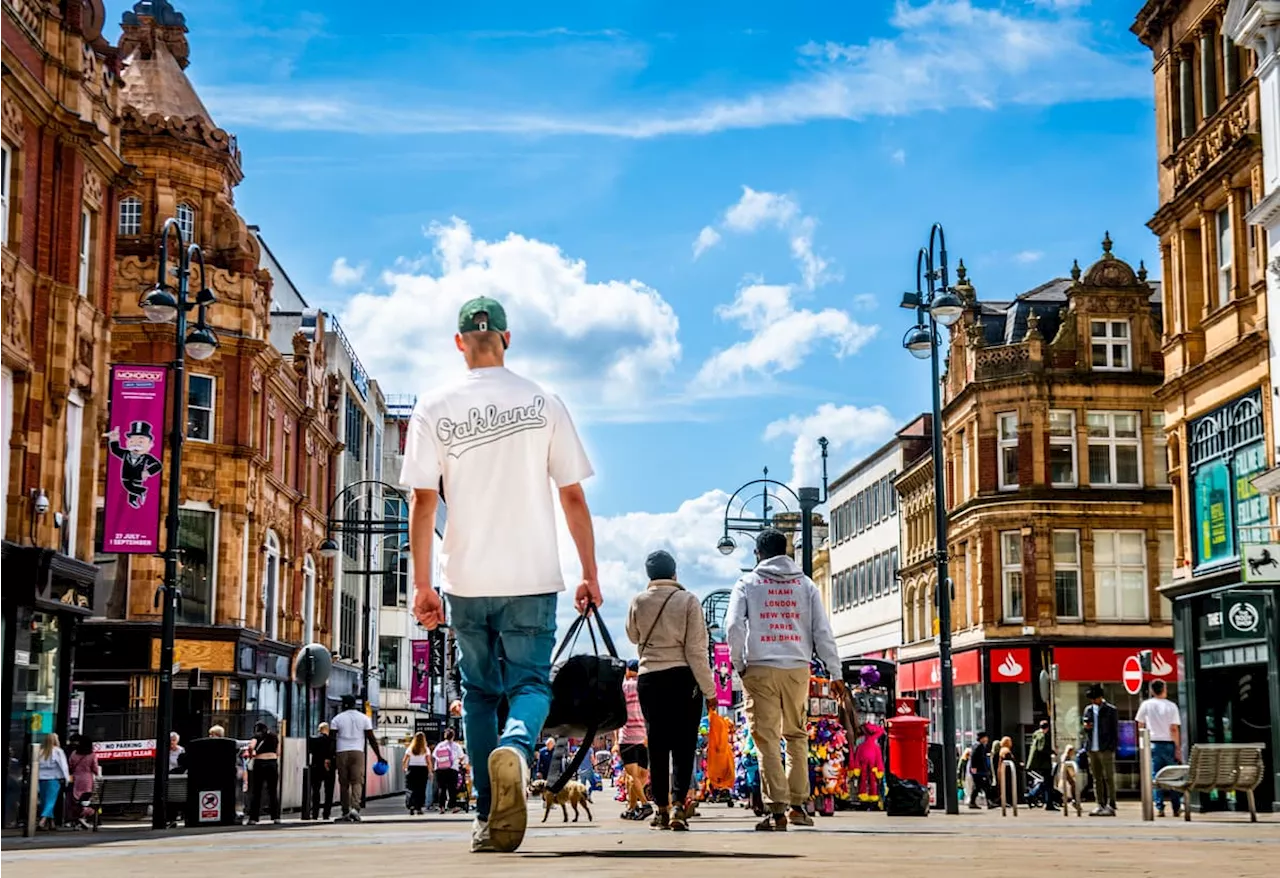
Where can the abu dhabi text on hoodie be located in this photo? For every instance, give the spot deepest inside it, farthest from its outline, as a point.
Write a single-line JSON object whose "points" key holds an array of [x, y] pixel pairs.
{"points": [[776, 618]]}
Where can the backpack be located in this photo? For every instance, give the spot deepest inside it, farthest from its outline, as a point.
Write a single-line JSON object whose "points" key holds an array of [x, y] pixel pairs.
{"points": [[586, 691], [444, 756]]}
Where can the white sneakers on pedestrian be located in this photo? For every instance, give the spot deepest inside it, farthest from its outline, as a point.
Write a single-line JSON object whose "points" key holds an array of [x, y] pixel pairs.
{"points": [[480, 842], [508, 811]]}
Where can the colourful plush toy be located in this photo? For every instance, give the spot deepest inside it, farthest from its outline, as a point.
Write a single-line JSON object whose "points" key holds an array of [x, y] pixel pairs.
{"points": [[868, 765]]}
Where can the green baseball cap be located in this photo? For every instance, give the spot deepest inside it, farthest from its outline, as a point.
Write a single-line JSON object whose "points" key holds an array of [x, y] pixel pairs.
{"points": [[482, 315]]}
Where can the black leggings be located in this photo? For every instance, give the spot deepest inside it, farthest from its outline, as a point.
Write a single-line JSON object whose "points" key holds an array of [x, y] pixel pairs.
{"points": [[672, 707], [265, 776], [447, 787]]}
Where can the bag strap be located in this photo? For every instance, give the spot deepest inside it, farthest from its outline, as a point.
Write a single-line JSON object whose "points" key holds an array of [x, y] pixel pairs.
{"points": [[571, 770], [575, 628], [644, 644], [569, 637], [604, 632]]}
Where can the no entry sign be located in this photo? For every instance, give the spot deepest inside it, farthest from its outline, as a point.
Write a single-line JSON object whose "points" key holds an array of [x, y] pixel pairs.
{"points": [[1131, 675]]}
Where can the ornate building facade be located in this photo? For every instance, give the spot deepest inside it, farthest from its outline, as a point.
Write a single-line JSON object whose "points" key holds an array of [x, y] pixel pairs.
{"points": [[1217, 394], [260, 428], [61, 169], [1059, 506]]}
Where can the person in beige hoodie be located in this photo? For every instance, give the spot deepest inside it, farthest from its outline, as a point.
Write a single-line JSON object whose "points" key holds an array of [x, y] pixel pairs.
{"points": [[666, 624]]}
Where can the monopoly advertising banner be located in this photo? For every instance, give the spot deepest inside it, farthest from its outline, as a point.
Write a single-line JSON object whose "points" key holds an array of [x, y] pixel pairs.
{"points": [[722, 667], [420, 678], [131, 516]]}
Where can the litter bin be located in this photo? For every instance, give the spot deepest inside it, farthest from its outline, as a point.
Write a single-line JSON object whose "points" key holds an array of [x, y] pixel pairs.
{"points": [[211, 782], [909, 749], [935, 774]]}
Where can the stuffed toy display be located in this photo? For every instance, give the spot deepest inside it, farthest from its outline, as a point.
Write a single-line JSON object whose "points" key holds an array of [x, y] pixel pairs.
{"points": [[868, 766]]}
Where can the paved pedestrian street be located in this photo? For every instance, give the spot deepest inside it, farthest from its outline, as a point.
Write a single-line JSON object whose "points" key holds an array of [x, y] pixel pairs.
{"points": [[389, 845]]}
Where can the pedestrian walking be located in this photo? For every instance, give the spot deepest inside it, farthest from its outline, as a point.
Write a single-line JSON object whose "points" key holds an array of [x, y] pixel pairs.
{"points": [[1163, 722], [1040, 761], [417, 772], [675, 681], [493, 443], [85, 771], [545, 755], [632, 748], [1102, 733], [352, 730], [321, 759], [776, 624], [448, 761], [52, 773], [264, 750]]}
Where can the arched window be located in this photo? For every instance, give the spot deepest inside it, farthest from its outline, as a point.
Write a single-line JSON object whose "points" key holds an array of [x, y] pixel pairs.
{"points": [[308, 599], [909, 604], [271, 585], [186, 215], [130, 216]]}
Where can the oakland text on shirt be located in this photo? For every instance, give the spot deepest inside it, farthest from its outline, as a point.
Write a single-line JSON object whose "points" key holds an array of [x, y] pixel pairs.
{"points": [[780, 614], [489, 425]]}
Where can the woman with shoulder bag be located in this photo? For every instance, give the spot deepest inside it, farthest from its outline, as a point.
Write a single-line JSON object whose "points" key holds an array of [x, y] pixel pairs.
{"points": [[667, 626]]}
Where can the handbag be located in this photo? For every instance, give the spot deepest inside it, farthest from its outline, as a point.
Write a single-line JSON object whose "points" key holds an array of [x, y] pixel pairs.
{"points": [[586, 691]]}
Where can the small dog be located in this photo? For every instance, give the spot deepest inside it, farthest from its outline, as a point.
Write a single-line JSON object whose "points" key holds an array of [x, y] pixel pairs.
{"points": [[1067, 785], [574, 793]]}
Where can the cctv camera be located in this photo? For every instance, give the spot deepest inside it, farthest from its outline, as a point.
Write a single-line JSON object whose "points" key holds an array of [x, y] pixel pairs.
{"points": [[42, 503]]}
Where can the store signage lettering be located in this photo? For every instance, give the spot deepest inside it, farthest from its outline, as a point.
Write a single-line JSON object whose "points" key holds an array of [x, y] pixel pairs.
{"points": [[1244, 616], [134, 749], [1251, 506]]}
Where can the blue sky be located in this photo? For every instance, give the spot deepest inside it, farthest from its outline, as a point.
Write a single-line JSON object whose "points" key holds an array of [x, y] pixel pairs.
{"points": [[567, 157]]}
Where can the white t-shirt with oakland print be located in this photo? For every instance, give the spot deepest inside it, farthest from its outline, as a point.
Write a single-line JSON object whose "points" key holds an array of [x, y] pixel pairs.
{"points": [[497, 440]]}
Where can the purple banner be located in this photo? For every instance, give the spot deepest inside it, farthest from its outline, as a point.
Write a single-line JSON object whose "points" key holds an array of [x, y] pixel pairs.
{"points": [[134, 451], [420, 681], [723, 669]]}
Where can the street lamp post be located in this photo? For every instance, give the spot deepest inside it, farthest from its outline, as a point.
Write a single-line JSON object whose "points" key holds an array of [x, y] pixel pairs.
{"points": [[934, 304], [165, 304]]}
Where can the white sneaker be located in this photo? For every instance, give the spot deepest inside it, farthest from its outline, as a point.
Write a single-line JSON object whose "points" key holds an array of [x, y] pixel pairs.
{"points": [[480, 843], [508, 813], [354, 816]]}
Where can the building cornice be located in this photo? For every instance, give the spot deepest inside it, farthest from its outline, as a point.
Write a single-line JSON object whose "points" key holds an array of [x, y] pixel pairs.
{"points": [[1246, 348]]}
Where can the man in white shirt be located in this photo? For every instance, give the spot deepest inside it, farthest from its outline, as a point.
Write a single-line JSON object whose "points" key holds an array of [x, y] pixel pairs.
{"points": [[493, 443], [1161, 718], [351, 730]]}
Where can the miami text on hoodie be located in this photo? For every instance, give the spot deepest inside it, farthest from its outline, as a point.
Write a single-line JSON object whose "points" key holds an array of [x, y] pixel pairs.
{"points": [[776, 618]]}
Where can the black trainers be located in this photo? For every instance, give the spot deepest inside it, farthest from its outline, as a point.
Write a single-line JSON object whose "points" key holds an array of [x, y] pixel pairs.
{"points": [[661, 820], [773, 823], [679, 821]]}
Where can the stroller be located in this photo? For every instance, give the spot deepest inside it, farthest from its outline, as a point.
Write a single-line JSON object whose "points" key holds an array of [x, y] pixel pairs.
{"points": [[464, 787]]}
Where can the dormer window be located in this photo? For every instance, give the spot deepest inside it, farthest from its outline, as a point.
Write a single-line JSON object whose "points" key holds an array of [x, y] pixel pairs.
{"points": [[1112, 345]]}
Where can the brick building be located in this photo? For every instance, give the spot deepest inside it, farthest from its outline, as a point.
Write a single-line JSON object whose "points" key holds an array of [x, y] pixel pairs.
{"points": [[260, 440], [1059, 506]]}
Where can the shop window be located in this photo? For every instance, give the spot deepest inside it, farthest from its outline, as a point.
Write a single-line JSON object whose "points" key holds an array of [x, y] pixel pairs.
{"points": [[1115, 450], [1008, 450], [1120, 575], [1159, 451], [1111, 345], [1222, 222], [1011, 575], [130, 219], [1062, 449], [1066, 573], [200, 403], [197, 534]]}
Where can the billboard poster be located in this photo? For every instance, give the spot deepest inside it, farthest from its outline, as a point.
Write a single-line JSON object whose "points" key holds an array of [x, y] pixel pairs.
{"points": [[1214, 527], [131, 514], [723, 670], [420, 673]]}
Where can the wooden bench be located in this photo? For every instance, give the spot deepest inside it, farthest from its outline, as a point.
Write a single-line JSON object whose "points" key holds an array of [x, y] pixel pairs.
{"points": [[1227, 768], [133, 789]]}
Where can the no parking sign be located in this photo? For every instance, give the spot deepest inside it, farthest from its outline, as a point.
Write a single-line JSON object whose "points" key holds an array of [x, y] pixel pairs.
{"points": [[210, 806]]}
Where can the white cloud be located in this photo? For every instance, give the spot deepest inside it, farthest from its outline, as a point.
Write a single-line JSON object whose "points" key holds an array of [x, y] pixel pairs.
{"points": [[848, 428], [1027, 257], [345, 274], [755, 210], [865, 302], [707, 239], [898, 156], [782, 336], [943, 54], [599, 343]]}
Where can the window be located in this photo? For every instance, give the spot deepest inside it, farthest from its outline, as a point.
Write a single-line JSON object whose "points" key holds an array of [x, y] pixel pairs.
{"points": [[1165, 561], [1115, 454], [1251, 237], [200, 408], [6, 431], [187, 221], [1008, 450], [389, 661], [1011, 574], [286, 456], [1225, 450], [877, 511], [86, 250], [1120, 574], [893, 569], [1066, 573], [1225, 247], [1159, 450], [271, 585], [6, 181], [348, 627], [71, 473], [308, 599], [1062, 449], [966, 465], [197, 548], [354, 430], [130, 216], [893, 493], [395, 582], [1112, 346]]}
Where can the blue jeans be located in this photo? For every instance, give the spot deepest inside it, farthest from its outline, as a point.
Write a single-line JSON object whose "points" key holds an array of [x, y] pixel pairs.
{"points": [[1162, 754], [504, 646], [48, 797]]}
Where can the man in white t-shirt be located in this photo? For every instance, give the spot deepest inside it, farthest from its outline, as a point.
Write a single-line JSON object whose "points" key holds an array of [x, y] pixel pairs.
{"points": [[1161, 718], [493, 443], [351, 730]]}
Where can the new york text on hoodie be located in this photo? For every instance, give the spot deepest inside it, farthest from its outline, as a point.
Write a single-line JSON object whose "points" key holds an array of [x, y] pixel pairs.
{"points": [[776, 618]]}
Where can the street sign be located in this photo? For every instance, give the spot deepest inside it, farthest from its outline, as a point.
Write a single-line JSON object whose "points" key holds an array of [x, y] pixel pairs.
{"points": [[1131, 675], [1261, 562], [210, 806], [1243, 616]]}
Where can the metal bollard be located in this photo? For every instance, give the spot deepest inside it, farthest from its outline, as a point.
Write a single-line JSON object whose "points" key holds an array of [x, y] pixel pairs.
{"points": [[33, 792], [1144, 774], [1008, 784]]}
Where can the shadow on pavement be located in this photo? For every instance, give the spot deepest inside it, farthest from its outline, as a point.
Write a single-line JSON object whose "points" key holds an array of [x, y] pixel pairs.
{"points": [[624, 854]]}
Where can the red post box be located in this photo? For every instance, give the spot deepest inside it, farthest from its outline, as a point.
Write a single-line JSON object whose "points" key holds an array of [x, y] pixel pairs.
{"points": [[909, 749]]}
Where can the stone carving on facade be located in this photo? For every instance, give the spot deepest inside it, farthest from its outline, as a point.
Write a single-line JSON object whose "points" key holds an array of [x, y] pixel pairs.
{"points": [[1208, 145], [1003, 360], [30, 14], [14, 122], [255, 379], [93, 189]]}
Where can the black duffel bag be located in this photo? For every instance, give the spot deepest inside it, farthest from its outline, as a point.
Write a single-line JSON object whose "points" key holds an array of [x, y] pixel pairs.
{"points": [[906, 798], [586, 691]]}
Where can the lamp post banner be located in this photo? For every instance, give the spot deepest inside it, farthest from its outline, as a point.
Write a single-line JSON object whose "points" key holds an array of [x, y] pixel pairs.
{"points": [[420, 682], [131, 513], [723, 668]]}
